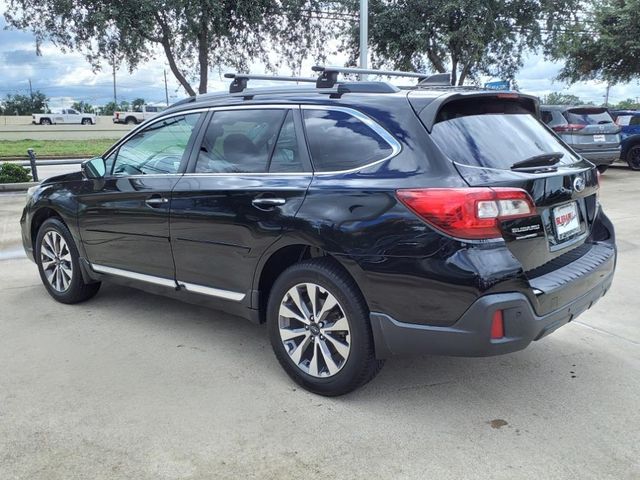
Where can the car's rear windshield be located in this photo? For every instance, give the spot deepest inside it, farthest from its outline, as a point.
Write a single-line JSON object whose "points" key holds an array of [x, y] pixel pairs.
{"points": [[495, 140], [588, 116]]}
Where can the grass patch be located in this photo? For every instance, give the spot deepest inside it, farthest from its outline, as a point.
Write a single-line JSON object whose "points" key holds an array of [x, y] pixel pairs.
{"points": [[59, 148]]}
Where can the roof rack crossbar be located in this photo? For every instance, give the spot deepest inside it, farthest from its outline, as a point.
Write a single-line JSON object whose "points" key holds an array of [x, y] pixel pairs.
{"points": [[329, 75], [240, 80]]}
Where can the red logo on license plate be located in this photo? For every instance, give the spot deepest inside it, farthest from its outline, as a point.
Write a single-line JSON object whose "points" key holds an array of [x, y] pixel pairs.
{"points": [[564, 219]]}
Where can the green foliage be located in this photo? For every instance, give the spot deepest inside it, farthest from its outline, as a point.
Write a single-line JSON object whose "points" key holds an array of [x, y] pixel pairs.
{"points": [[466, 37], [83, 107], [193, 35], [628, 104], [137, 104], [12, 173], [111, 107], [23, 104], [602, 44], [557, 98]]}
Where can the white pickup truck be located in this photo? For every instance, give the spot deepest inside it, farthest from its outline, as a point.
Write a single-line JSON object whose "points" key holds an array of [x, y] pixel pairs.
{"points": [[145, 112], [64, 116]]}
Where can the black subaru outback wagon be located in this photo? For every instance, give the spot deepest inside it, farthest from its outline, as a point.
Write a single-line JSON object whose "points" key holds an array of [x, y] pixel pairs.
{"points": [[357, 219]]}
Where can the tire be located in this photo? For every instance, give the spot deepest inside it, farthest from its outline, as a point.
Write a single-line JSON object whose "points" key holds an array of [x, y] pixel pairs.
{"points": [[50, 255], [633, 157], [602, 168], [333, 372], [87, 121], [131, 121], [45, 121]]}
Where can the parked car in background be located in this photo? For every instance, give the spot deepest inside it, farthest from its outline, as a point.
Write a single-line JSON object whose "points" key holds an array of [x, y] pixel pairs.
{"points": [[65, 116], [589, 130], [145, 112], [629, 122]]}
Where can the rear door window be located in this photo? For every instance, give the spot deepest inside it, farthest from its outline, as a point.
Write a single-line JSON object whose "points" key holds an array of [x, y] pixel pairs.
{"points": [[340, 141], [493, 136], [588, 116]]}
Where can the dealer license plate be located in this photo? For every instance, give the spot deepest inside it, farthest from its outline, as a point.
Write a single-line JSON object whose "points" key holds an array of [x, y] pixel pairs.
{"points": [[599, 138], [566, 220]]}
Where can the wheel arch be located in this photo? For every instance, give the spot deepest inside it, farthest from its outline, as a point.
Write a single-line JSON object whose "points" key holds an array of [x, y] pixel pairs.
{"points": [[279, 258], [627, 144], [39, 217]]}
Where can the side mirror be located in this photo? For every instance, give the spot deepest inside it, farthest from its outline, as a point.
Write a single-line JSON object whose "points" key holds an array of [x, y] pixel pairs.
{"points": [[93, 168]]}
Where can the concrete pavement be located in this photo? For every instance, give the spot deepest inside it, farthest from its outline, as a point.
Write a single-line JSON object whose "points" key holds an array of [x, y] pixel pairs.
{"points": [[131, 385]]}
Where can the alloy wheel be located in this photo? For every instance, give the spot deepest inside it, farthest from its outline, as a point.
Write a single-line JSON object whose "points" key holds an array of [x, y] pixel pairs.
{"points": [[314, 330], [55, 258], [634, 157]]}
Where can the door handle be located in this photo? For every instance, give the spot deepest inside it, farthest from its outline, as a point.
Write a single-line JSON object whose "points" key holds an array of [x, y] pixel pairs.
{"points": [[156, 201], [267, 202]]}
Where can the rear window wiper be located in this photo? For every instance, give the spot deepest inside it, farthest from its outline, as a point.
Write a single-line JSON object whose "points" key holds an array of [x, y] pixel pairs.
{"points": [[544, 160]]}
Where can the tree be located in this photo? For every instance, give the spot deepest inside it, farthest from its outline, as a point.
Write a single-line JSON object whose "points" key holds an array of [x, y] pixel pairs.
{"points": [[466, 37], [111, 107], [557, 98], [604, 44], [25, 104], [83, 107], [137, 104], [628, 104], [194, 35]]}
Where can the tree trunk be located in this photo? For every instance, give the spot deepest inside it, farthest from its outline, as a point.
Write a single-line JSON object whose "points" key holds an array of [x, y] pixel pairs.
{"points": [[165, 41], [464, 73], [454, 69]]}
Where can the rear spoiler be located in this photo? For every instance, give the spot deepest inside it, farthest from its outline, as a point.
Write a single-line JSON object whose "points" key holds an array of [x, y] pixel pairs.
{"points": [[429, 112]]}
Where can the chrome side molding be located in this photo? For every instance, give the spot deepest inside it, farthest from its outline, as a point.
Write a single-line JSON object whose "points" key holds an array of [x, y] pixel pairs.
{"points": [[170, 283]]}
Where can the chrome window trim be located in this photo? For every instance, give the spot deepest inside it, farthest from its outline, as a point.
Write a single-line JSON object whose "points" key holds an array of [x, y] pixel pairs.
{"points": [[396, 147], [170, 283]]}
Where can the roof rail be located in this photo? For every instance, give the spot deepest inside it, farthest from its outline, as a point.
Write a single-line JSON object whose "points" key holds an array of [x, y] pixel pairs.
{"points": [[240, 80]]}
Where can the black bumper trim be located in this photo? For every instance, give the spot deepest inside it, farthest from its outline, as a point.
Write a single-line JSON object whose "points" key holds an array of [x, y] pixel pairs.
{"points": [[470, 335]]}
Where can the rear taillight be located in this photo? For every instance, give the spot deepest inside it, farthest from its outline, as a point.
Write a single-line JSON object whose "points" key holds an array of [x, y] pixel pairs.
{"points": [[569, 127], [468, 213], [117, 115]]}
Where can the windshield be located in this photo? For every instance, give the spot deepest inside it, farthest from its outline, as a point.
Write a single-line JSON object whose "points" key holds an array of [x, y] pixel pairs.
{"points": [[497, 140], [588, 116]]}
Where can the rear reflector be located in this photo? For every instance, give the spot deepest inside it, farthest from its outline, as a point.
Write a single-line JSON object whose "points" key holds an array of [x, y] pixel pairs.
{"points": [[468, 213], [497, 325]]}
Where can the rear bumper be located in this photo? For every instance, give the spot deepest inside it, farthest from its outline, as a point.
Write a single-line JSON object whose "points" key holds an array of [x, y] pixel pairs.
{"points": [[600, 157], [470, 335]]}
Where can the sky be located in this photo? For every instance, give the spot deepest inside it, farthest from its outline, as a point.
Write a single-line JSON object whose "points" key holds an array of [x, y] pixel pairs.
{"points": [[67, 77]]}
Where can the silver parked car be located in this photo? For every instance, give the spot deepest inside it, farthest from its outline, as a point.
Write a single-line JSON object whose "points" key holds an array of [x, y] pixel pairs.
{"points": [[589, 130]]}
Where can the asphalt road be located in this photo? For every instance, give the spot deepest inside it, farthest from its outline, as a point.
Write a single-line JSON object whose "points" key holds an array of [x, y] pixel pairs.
{"points": [[134, 386]]}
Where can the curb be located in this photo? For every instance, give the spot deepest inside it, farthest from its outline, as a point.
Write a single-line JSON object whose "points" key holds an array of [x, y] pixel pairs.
{"points": [[17, 187]]}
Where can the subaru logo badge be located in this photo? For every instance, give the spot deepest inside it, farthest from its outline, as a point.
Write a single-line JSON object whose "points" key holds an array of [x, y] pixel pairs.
{"points": [[578, 184]]}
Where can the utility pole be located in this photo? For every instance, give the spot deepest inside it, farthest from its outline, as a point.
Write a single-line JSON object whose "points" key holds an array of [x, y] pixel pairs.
{"points": [[606, 96], [364, 35], [30, 90], [115, 97], [166, 90]]}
